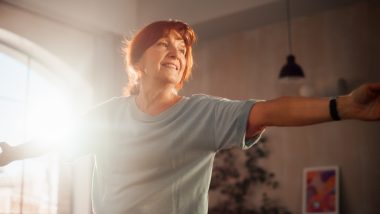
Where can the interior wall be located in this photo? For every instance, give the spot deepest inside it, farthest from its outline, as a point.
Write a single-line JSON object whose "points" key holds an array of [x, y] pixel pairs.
{"points": [[93, 54], [329, 45], [117, 16], [193, 12]]}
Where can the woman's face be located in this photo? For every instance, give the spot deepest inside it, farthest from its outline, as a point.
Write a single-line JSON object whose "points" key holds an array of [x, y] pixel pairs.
{"points": [[165, 60]]}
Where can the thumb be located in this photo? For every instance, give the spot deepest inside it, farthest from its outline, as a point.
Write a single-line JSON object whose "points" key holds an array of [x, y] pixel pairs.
{"points": [[365, 93], [374, 87], [4, 154], [4, 147]]}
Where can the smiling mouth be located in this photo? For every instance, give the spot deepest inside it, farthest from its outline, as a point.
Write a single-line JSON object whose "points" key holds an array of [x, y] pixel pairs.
{"points": [[170, 65]]}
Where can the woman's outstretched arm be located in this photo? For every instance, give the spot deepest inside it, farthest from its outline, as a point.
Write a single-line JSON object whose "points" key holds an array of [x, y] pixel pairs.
{"points": [[10, 153], [362, 104]]}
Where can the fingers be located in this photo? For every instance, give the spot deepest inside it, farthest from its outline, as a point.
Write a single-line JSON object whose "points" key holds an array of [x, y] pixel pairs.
{"points": [[3, 146], [375, 87], [4, 153]]}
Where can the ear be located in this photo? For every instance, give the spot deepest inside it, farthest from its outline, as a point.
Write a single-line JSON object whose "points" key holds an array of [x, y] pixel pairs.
{"points": [[138, 66], [139, 69]]}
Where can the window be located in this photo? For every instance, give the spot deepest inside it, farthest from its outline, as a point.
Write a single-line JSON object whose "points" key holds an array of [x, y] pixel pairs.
{"points": [[30, 103]]}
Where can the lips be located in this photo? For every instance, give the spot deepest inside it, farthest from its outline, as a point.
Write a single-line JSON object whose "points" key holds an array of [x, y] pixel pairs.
{"points": [[170, 65]]}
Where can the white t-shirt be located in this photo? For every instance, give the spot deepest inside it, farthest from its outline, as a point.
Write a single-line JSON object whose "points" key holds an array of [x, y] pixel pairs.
{"points": [[160, 164]]}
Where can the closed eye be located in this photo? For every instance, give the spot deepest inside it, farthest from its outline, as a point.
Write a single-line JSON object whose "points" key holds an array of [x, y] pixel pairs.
{"points": [[163, 44], [182, 50]]}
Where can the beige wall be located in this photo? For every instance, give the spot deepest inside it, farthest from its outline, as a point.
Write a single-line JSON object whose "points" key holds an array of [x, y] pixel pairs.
{"points": [[94, 54], [339, 43]]}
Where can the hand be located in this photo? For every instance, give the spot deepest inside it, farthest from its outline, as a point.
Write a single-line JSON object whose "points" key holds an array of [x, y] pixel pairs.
{"points": [[5, 157], [364, 102]]}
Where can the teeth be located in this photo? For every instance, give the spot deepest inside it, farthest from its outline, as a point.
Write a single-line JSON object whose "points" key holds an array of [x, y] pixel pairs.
{"points": [[170, 65]]}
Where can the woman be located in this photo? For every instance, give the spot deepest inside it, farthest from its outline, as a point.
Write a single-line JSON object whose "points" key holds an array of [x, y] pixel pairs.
{"points": [[154, 149]]}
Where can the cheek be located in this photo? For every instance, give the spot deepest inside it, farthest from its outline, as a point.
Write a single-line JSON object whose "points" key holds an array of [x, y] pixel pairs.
{"points": [[183, 63], [151, 57], [151, 64]]}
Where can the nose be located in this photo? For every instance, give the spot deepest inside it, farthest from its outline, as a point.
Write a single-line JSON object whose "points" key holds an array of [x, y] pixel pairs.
{"points": [[173, 52]]}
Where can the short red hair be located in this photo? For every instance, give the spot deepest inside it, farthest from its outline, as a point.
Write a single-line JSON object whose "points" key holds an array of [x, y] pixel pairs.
{"points": [[149, 35]]}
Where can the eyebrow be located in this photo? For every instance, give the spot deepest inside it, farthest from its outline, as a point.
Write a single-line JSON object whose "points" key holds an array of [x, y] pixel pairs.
{"points": [[181, 40], [177, 38]]}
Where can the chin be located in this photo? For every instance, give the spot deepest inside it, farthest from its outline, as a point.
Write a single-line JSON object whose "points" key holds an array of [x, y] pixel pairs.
{"points": [[171, 77], [170, 80]]}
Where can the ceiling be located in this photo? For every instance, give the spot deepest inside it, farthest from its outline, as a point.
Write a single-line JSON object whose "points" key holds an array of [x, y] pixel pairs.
{"points": [[209, 17]]}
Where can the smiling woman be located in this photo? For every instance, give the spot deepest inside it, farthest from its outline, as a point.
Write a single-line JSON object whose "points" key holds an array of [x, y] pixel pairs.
{"points": [[164, 35], [167, 57], [155, 148]]}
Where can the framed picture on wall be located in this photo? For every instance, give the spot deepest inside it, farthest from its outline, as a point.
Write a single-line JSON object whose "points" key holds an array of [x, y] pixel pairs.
{"points": [[320, 190]]}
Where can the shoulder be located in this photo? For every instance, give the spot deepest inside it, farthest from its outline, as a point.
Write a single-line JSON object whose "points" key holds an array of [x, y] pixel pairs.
{"points": [[203, 102], [209, 99], [112, 102], [111, 105], [200, 101], [204, 98], [222, 105]]}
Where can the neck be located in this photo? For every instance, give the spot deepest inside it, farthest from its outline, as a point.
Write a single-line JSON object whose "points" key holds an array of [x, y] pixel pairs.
{"points": [[153, 100]]}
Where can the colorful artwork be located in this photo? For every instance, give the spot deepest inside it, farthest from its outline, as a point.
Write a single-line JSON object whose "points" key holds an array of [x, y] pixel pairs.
{"points": [[321, 190]]}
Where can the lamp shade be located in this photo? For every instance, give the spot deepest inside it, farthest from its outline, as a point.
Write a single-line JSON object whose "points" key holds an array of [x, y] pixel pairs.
{"points": [[291, 69]]}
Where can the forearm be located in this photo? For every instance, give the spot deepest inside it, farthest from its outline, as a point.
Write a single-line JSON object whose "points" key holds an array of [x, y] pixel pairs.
{"points": [[300, 111], [28, 150]]}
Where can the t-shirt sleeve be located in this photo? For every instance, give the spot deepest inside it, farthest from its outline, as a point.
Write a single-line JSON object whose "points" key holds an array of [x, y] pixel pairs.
{"points": [[231, 119]]}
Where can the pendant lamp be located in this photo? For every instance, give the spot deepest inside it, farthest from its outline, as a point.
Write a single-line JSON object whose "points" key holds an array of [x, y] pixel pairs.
{"points": [[291, 69]]}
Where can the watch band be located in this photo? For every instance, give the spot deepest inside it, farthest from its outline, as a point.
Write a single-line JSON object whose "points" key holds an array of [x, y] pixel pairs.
{"points": [[333, 109]]}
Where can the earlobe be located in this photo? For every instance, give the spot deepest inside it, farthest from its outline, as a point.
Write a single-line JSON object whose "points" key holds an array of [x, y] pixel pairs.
{"points": [[139, 67], [139, 70]]}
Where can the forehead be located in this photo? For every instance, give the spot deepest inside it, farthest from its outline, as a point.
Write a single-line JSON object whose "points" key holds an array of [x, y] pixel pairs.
{"points": [[173, 34]]}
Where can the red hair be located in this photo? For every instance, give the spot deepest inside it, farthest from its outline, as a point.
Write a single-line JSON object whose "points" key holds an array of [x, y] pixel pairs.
{"points": [[149, 35]]}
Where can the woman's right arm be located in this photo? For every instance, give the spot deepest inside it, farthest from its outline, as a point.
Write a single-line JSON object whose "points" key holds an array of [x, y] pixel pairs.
{"points": [[10, 153]]}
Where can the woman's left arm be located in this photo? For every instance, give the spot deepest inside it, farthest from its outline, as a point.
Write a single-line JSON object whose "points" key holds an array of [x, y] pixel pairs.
{"points": [[362, 104]]}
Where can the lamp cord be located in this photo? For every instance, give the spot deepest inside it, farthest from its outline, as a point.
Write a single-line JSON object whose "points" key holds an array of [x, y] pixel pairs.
{"points": [[289, 26]]}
